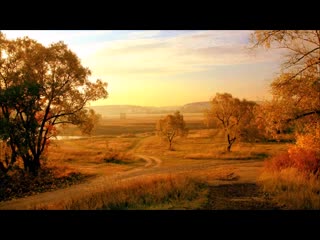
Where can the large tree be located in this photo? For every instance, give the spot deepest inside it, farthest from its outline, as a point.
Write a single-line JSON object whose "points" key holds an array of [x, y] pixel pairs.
{"points": [[297, 88], [171, 127], [41, 87], [232, 115]]}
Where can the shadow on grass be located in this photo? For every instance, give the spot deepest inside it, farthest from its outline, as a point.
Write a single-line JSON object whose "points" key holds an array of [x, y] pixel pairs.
{"points": [[116, 161], [253, 157], [228, 156]]}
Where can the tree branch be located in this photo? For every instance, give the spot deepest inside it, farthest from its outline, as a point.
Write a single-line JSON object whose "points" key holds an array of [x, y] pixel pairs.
{"points": [[302, 115], [299, 59]]}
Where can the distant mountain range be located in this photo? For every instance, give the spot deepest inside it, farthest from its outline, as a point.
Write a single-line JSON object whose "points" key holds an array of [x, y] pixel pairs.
{"points": [[195, 107]]}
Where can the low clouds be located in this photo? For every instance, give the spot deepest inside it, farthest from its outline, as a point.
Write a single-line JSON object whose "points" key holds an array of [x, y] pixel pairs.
{"points": [[154, 52], [188, 52], [140, 66]]}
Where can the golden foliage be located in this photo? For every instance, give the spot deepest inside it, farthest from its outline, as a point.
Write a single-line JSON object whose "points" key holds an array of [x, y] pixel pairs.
{"points": [[171, 127], [232, 115]]}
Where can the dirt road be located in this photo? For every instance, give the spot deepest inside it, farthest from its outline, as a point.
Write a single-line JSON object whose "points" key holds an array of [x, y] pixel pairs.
{"points": [[92, 185]]}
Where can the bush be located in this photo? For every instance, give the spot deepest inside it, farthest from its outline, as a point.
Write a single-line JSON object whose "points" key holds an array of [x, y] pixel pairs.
{"points": [[305, 161], [293, 177], [115, 156], [278, 162], [304, 155]]}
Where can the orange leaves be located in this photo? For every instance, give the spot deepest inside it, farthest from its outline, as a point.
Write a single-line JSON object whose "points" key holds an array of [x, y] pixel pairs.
{"points": [[311, 139], [279, 162], [306, 161], [304, 155]]}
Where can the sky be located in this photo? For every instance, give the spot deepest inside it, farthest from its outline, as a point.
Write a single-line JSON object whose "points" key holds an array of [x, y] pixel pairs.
{"points": [[169, 68]]}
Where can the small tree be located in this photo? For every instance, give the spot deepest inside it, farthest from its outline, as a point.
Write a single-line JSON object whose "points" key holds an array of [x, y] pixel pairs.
{"points": [[171, 126], [231, 114]]}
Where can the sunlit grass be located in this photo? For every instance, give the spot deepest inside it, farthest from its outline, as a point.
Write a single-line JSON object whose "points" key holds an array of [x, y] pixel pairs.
{"points": [[292, 188], [185, 190], [92, 155], [142, 193]]}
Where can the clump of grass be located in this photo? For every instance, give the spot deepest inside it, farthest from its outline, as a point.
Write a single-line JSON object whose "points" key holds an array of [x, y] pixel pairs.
{"points": [[142, 193], [292, 188], [118, 157]]}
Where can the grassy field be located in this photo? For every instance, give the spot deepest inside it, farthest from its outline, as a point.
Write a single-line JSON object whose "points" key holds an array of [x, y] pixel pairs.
{"points": [[200, 146], [185, 178], [133, 124]]}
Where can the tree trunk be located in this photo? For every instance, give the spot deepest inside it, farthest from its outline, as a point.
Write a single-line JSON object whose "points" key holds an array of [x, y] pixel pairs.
{"points": [[26, 164], [31, 165], [3, 168], [230, 142], [34, 166], [229, 147]]}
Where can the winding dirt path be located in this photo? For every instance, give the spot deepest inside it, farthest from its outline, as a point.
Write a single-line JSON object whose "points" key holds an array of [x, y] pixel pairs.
{"points": [[151, 161], [93, 185]]}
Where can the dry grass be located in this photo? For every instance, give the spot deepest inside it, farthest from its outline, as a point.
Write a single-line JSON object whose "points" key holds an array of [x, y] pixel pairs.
{"points": [[205, 133], [292, 188], [102, 155], [92, 155], [239, 155], [115, 156], [212, 174], [293, 178], [184, 190], [128, 135], [142, 193]]}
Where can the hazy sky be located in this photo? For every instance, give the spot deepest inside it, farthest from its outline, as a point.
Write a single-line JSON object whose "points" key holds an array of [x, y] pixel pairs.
{"points": [[163, 68]]}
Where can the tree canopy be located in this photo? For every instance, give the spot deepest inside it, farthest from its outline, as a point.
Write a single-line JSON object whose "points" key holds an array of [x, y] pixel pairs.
{"points": [[298, 86], [296, 91], [232, 115], [41, 87]]}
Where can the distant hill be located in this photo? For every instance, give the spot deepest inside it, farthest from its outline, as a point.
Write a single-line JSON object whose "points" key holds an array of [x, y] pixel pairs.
{"points": [[195, 107], [132, 109]]}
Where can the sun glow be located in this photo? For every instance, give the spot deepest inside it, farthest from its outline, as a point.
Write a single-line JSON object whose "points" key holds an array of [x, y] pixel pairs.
{"points": [[161, 68]]}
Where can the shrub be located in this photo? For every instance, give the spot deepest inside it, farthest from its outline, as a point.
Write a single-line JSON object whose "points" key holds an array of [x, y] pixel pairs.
{"points": [[115, 156], [17, 184]]}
